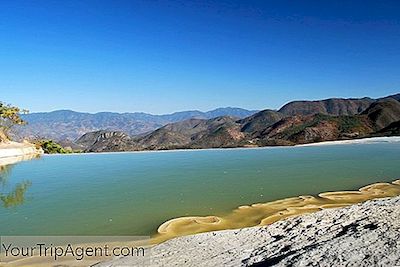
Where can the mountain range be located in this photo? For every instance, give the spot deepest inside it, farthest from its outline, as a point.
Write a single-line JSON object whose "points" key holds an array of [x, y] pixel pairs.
{"points": [[67, 125], [297, 122]]}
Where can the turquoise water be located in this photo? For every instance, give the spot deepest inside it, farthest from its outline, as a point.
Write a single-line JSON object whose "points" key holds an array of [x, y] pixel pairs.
{"points": [[133, 193]]}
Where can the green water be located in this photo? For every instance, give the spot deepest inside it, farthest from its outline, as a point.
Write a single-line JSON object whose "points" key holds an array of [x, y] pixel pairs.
{"points": [[133, 193]]}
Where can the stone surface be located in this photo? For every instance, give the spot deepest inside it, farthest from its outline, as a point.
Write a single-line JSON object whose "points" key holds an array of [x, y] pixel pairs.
{"points": [[366, 234], [13, 149]]}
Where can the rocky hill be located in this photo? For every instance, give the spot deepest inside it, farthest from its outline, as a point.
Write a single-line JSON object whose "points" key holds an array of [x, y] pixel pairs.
{"points": [[269, 127], [333, 106], [105, 141], [314, 128], [383, 112]]}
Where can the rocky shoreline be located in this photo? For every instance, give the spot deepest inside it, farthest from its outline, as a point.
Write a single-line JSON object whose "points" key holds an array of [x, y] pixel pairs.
{"points": [[365, 234]]}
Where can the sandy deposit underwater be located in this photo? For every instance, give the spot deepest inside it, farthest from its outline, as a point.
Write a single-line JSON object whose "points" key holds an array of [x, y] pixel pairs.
{"points": [[261, 214]]}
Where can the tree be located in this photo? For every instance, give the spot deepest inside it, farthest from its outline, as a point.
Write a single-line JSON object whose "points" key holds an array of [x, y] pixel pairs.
{"points": [[51, 147], [9, 116]]}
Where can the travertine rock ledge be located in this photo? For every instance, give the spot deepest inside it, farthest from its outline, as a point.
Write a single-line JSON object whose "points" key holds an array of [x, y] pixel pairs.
{"points": [[13, 149], [366, 234]]}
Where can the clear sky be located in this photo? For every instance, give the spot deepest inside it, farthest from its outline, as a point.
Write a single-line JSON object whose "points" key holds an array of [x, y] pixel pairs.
{"points": [[165, 56]]}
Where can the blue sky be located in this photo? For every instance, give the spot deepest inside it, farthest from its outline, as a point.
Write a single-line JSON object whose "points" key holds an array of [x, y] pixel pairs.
{"points": [[166, 56]]}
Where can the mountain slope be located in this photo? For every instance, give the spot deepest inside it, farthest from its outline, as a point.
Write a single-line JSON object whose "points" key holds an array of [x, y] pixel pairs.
{"points": [[315, 128], [392, 129], [172, 135], [383, 112], [217, 132], [260, 120]]}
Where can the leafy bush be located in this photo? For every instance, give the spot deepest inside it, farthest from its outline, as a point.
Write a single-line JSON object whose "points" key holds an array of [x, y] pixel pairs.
{"points": [[51, 147]]}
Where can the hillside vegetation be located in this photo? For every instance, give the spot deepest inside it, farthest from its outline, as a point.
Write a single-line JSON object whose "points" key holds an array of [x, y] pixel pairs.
{"points": [[51, 147]]}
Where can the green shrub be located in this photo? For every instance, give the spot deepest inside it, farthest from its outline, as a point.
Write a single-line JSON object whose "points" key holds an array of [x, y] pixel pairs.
{"points": [[51, 147]]}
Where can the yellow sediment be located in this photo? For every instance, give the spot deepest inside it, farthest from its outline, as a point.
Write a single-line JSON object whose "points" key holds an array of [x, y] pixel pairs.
{"points": [[266, 213]]}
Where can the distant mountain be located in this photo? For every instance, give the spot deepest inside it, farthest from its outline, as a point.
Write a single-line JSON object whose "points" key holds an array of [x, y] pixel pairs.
{"points": [[269, 127], [232, 112], [67, 125]]}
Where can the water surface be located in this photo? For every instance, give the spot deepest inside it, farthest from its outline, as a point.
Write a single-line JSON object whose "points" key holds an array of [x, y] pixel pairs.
{"points": [[133, 193]]}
